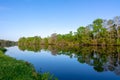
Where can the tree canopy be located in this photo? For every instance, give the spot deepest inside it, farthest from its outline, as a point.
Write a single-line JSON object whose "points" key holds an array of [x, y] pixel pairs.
{"points": [[100, 32]]}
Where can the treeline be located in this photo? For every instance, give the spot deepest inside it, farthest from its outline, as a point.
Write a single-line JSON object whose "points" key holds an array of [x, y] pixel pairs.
{"points": [[101, 33], [7, 43]]}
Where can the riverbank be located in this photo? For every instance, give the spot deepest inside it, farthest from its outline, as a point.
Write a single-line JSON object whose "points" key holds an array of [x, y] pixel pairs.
{"points": [[12, 69]]}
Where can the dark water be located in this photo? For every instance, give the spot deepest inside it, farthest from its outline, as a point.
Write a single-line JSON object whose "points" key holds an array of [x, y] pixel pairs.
{"points": [[73, 64]]}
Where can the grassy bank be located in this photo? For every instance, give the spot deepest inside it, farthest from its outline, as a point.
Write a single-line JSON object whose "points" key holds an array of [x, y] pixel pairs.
{"points": [[12, 69]]}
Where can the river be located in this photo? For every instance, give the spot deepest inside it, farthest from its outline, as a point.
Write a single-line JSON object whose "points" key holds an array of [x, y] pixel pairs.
{"points": [[83, 64]]}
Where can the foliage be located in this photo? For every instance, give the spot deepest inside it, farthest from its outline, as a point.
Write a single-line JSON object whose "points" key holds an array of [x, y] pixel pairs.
{"points": [[100, 32]]}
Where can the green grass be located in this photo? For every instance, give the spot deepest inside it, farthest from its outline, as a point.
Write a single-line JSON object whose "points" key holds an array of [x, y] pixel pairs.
{"points": [[12, 69]]}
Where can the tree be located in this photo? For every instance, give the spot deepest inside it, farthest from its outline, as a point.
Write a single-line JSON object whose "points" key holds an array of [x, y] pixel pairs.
{"points": [[52, 39], [117, 27], [97, 27], [83, 35]]}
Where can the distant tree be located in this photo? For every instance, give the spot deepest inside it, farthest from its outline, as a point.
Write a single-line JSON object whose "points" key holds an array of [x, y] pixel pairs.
{"points": [[52, 39], [100, 32]]}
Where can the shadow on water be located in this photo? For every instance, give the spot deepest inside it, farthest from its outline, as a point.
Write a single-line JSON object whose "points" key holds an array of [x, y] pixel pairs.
{"points": [[101, 58]]}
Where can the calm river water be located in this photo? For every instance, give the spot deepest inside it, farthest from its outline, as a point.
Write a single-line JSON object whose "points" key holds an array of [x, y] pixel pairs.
{"points": [[82, 64]]}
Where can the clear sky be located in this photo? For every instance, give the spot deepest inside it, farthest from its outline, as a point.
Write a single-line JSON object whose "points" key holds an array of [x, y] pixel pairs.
{"points": [[43, 17]]}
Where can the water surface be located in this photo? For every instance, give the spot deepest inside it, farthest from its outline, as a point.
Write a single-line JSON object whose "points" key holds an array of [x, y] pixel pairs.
{"points": [[82, 64]]}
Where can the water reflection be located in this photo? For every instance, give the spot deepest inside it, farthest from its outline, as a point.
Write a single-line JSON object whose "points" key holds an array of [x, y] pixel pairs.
{"points": [[7, 43], [101, 58]]}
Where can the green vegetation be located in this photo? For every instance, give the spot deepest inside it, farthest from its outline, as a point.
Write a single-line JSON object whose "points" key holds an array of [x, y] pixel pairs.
{"points": [[12, 69], [101, 33]]}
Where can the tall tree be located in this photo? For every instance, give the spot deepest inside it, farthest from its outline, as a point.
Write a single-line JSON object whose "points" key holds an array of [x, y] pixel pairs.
{"points": [[97, 27]]}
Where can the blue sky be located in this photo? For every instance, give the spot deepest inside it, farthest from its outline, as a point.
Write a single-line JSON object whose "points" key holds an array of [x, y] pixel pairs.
{"points": [[43, 17]]}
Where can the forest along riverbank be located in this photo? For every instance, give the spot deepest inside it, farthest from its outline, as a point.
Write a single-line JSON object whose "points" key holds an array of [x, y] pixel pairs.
{"points": [[100, 32]]}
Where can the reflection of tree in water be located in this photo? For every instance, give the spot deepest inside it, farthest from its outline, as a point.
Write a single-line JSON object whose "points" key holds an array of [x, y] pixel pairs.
{"points": [[53, 50], [113, 63], [101, 58], [7, 43], [35, 48]]}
